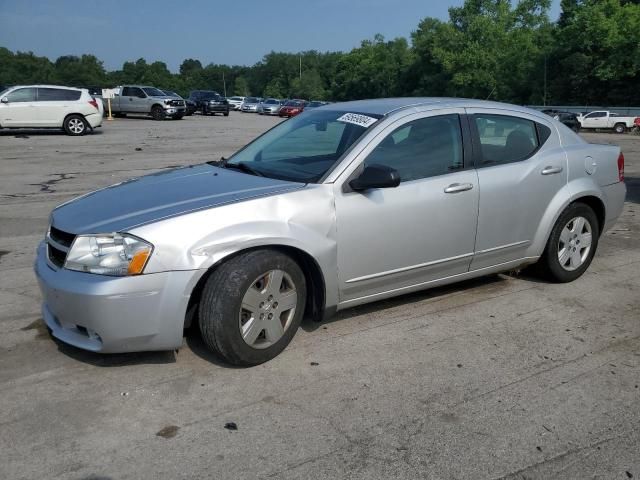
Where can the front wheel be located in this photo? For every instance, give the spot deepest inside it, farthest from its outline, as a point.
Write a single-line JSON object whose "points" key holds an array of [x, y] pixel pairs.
{"points": [[571, 245], [226, 114], [75, 125], [252, 306], [157, 113]]}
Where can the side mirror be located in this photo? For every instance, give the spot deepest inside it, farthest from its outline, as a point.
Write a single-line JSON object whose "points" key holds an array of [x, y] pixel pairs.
{"points": [[5, 100], [375, 176]]}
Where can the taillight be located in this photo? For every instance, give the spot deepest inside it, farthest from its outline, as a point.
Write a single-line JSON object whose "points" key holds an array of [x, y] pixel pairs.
{"points": [[94, 103], [621, 167]]}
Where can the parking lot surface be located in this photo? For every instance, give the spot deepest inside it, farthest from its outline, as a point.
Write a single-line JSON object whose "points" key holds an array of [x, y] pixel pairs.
{"points": [[501, 377]]}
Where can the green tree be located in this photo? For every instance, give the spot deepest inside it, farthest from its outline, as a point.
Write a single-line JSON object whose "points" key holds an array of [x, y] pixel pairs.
{"points": [[241, 87]]}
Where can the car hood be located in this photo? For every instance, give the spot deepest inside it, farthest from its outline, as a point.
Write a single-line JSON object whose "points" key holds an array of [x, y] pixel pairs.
{"points": [[161, 195]]}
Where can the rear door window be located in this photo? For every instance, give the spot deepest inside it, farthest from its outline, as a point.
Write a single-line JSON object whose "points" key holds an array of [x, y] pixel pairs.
{"points": [[57, 95], [506, 139], [22, 95]]}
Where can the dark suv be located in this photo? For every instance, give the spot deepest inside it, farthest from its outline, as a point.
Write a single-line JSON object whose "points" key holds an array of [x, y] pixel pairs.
{"points": [[568, 118], [209, 102]]}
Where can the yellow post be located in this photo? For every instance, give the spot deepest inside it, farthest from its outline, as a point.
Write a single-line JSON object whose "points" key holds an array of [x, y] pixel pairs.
{"points": [[109, 105]]}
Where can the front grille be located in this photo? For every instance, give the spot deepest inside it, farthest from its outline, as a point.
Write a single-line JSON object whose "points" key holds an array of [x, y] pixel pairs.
{"points": [[176, 103], [58, 245], [63, 238], [56, 256]]}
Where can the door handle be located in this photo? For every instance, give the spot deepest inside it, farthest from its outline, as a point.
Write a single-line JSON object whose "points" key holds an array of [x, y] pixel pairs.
{"points": [[458, 187], [550, 170]]}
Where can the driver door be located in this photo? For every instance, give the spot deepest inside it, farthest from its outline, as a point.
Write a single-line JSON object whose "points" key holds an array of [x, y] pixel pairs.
{"points": [[394, 239]]}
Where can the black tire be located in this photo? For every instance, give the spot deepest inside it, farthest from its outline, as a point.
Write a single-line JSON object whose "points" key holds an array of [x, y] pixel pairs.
{"points": [[220, 306], [157, 112], [178, 117], [549, 265], [120, 115], [75, 125], [619, 128], [226, 114]]}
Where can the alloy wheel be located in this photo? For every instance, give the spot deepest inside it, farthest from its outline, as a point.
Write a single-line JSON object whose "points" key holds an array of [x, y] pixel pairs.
{"points": [[76, 126], [574, 244], [268, 308]]}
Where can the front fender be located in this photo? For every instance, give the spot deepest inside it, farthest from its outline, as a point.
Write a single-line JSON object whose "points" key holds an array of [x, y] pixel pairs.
{"points": [[303, 219]]}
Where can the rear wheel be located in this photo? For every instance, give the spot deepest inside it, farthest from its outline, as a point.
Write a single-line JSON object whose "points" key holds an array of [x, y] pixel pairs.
{"points": [[226, 114], [157, 113], [178, 117], [252, 306], [620, 128], [75, 125], [571, 245]]}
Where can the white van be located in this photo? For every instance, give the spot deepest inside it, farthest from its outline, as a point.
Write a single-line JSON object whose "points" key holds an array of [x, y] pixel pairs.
{"points": [[50, 106]]}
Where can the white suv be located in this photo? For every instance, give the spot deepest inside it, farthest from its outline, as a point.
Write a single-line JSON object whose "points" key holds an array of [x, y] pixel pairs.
{"points": [[50, 106], [235, 102]]}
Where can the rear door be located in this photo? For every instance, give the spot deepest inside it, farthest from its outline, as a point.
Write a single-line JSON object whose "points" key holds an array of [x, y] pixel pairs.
{"points": [[20, 108], [54, 104], [521, 168]]}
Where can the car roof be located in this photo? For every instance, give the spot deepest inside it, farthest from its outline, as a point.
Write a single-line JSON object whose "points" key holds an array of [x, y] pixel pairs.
{"points": [[385, 106], [47, 86]]}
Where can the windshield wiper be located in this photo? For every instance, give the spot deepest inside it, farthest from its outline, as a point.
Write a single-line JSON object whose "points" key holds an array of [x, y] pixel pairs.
{"points": [[245, 168], [218, 163]]}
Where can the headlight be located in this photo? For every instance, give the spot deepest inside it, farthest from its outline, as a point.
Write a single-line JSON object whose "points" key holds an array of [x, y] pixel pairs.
{"points": [[111, 254], [167, 102]]}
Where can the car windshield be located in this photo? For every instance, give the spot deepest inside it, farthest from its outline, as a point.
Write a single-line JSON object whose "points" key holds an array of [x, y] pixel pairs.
{"points": [[171, 94], [271, 102], [154, 92], [304, 148], [251, 100], [315, 104], [293, 103], [2, 92]]}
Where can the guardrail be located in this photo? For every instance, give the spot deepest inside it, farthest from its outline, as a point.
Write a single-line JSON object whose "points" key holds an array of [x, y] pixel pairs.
{"points": [[625, 111]]}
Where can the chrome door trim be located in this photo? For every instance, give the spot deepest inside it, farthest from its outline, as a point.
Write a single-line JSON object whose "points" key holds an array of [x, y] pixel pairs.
{"points": [[502, 247], [406, 269]]}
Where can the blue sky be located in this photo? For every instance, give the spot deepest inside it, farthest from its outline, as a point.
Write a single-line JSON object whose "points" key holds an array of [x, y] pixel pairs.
{"points": [[238, 32]]}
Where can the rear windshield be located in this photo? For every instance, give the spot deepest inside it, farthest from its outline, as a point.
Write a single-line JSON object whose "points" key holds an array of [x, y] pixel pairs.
{"points": [[293, 103], [305, 147]]}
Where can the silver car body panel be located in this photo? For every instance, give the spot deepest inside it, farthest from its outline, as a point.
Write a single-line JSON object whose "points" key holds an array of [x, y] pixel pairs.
{"points": [[367, 246]]}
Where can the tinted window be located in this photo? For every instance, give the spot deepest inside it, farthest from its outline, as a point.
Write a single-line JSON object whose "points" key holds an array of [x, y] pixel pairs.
{"points": [[57, 95], [132, 92], [505, 139], [22, 95], [597, 115], [422, 148]]}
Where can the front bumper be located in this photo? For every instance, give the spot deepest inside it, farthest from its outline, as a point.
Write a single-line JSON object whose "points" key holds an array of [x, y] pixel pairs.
{"points": [[114, 314], [174, 111], [217, 108]]}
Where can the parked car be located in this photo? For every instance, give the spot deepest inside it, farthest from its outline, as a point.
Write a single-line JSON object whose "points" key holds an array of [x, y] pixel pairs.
{"points": [[270, 106], [145, 100], [292, 108], [236, 102], [315, 104], [250, 104], [324, 212], [568, 118], [50, 106], [190, 107], [210, 102], [606, 120]]}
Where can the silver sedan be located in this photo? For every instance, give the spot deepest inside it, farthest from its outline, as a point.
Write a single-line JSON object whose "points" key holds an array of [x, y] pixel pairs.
{"points": [[342, 205]]}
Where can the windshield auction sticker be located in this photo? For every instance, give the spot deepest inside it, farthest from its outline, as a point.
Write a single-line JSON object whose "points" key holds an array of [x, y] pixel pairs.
{"points": [[358, 119]]}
